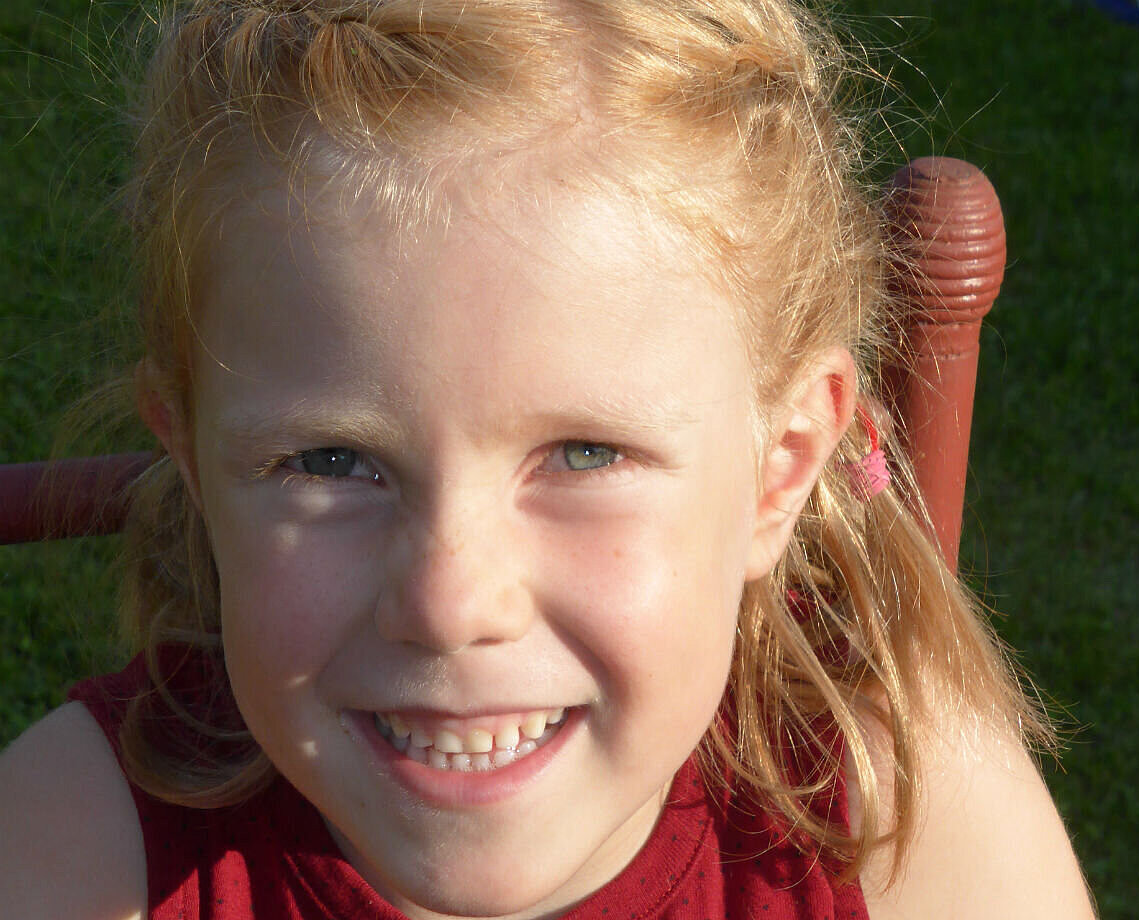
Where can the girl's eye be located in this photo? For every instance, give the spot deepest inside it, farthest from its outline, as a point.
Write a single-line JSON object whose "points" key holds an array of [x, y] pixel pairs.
{"points": [[583, 455], [332, 462]]}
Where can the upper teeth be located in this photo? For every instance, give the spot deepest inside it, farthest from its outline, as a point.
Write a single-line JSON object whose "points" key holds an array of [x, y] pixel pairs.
{"points": [[511, 735]]}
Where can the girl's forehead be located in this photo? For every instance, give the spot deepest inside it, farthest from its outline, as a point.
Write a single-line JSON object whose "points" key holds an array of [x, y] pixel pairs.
{"points": [[571, 171], [544, 296], [545, 226]]}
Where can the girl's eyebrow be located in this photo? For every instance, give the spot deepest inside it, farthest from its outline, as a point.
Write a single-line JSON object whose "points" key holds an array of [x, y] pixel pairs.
{"points": [[349, 426], [612, 416], [298, 425]]}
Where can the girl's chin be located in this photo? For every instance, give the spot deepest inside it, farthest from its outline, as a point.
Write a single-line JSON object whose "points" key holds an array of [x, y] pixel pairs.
{"points": [[472, 883], [528, 839]]}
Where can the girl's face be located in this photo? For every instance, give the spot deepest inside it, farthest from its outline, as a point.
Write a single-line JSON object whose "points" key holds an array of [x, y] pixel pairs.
{"points": [[461, 483]]}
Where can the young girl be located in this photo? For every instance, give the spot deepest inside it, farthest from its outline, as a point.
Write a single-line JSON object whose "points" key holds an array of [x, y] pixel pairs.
{"points": [[510, 360]]}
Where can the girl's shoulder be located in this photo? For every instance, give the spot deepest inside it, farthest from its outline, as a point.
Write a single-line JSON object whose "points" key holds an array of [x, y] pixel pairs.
{"points": [[988, 841], [70, 840]]}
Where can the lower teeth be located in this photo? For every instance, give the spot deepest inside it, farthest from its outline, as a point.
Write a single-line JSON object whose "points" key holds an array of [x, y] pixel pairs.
{"points": [[465, 763]]}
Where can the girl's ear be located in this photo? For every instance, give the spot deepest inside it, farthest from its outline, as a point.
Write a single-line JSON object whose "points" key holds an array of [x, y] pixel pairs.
{"points": [[165, 419], [804, 438]]}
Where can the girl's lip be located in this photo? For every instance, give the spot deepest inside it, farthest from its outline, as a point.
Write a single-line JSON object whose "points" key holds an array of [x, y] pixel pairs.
{"points": [[452, 789]]}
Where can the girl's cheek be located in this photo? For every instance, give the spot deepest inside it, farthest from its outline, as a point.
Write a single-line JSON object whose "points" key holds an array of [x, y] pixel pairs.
{"points": [[647, 582], [293, 591]]}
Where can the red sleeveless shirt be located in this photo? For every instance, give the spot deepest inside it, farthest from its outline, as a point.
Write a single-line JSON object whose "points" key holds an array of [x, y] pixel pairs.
{"points": [[272, 858]]}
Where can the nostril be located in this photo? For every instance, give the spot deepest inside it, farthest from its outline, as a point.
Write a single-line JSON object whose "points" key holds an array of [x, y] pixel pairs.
{"points": [[447, 587], [447, 612]]}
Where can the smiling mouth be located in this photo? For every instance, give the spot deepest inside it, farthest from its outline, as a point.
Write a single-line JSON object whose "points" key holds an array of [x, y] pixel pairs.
{"points": [[478, 749]]}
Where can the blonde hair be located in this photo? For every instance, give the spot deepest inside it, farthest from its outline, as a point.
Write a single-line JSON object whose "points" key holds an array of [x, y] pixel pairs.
{"points": [[727, 118]]}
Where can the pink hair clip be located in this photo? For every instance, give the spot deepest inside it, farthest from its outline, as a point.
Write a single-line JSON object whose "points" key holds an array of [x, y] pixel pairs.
{"points": [[870, 475]]}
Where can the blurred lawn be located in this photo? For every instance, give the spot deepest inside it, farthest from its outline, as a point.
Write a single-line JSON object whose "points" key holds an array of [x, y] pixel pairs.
{"points": [[1043, 94], [60, 271], [1045, 97]]}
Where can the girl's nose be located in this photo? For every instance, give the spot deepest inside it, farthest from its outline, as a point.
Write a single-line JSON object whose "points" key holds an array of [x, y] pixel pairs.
{"points": [[456, 582]]}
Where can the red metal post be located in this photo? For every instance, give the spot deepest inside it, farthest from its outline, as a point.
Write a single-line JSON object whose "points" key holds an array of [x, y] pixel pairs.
{"points": [[66, 498], [948, 220]]}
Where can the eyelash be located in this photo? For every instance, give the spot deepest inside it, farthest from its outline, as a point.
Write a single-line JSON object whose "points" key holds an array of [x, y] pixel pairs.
{"points": [[590, 447], [560, 448], [301, 457]]}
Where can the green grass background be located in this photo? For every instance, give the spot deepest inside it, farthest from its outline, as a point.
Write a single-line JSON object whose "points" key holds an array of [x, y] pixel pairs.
{"points": [[1043, 94]]}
